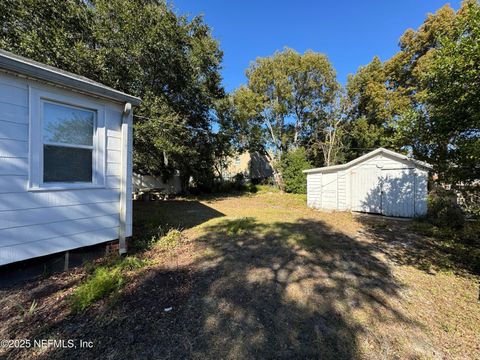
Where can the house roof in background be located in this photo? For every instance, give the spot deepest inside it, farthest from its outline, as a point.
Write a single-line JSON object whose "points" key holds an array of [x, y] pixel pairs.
{"points": [[30, 68], [367, 156]]}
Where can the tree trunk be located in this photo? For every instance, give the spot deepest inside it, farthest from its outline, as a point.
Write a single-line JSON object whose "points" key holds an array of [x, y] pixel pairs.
{"points": [[277, 174]]}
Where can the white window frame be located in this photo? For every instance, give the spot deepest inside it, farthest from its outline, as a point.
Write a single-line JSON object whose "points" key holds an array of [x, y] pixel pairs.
{"points": [[37, 98]]}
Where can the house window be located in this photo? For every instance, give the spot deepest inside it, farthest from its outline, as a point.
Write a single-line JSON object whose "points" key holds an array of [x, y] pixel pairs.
{"points": [[237, 161], [67, 141]]}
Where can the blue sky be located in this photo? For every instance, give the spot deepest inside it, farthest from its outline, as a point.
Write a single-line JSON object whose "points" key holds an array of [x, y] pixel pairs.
{"points": [[350, 33]]}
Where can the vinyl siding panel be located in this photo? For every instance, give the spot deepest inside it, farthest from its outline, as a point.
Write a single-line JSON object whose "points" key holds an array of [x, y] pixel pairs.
{"points": [[47, 199], [114, 143], [29, 217], [13, 131], [33, 233], [38, 223], [13, 166], [13, 148], [329, 190], [314, 190], [56, 244], [13, 93], [113, 169], [13, 183], [421, 192], [342, 191]]}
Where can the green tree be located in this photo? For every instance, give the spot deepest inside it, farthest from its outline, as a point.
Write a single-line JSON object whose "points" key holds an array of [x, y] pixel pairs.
{"points": [[293, 163], [141, 47], [55, 32], [286, 95], [443, 127], [374, 109], [425, 98]]}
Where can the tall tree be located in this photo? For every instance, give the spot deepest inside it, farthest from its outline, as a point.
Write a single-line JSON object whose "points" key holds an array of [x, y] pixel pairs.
{"points": [[425, 98], [286, 93], [55, 32], [328, 133], [374, 109], [141, 47], [444, 128]]}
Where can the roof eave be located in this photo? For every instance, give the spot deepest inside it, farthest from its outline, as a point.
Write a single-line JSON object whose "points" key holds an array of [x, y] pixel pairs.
{"points": [[365, 156], [23, 67]]}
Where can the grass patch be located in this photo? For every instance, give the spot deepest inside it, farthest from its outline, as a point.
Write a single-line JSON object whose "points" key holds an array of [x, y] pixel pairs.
{"points": [[103, 281], [170, 240], [239, 226]]}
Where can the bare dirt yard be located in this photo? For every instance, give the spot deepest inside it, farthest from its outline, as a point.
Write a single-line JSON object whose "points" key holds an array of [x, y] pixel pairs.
{"points": [[262, 277]]}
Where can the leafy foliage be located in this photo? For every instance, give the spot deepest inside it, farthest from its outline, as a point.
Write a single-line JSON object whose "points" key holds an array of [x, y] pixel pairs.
{"points": [[170, 62], [426, 97], [443, 211], [289, 98], [293, 163]]}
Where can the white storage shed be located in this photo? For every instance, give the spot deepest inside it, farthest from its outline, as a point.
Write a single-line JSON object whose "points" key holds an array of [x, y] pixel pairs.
{"points": [[381, 182], [65, 161]]}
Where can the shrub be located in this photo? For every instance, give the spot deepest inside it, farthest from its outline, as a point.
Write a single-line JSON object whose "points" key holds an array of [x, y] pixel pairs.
{"points": [[443, 211], [237, 184], [292, 165], [264, 189]]}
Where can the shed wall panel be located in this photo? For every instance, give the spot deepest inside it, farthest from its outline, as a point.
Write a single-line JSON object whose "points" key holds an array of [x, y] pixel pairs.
{"points": [[329, 190], [314, 189]]}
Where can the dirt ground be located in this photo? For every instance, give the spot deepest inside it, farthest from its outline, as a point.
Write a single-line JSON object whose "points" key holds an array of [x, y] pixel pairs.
{"points": [[263, 277]]}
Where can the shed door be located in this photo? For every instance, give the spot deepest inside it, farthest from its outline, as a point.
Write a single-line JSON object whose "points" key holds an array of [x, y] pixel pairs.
{"points": [[365, 190], [398, 195]]}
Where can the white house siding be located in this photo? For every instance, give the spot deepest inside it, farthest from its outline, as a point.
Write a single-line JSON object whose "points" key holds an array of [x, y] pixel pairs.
{"points": [[382, 184], [38, 223]]}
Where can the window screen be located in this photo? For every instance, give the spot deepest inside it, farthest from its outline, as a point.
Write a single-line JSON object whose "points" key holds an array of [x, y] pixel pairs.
{"points": [[67, 143]]}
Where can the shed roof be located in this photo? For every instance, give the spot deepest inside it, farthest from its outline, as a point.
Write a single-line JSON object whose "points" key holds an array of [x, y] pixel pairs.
{"points": [[367, 156], [30, 68]]}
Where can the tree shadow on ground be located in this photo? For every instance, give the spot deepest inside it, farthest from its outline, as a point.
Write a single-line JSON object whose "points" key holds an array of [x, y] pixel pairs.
{"points": [[401, 244], [256, 291], [152, 214], [403, 194]]}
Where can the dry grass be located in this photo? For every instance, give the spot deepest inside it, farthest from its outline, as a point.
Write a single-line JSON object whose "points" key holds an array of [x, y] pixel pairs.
{"points": [[262, 276]]}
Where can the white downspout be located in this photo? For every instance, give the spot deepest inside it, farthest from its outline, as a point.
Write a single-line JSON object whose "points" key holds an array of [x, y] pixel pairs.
{"points": [[123, 180]]}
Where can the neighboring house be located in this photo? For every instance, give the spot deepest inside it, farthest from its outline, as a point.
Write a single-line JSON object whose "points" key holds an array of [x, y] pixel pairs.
{"points": [[382, 182], [65, 161], [252, 165], [144, 183]]}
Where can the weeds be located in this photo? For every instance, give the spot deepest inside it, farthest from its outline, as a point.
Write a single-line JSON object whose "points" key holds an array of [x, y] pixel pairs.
{"points": [[25, 312], [104, 280], [169, 241]]}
